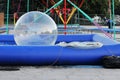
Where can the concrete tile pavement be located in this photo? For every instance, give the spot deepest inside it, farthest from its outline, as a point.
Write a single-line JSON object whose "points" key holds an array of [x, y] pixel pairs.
{"points": [[58, 73]]}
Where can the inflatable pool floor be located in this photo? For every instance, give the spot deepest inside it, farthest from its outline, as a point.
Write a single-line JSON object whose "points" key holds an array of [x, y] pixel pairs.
{"points": [[11, 54]]}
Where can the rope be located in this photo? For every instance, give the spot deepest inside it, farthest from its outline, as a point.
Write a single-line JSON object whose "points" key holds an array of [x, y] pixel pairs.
{"points": [[58, 57], [100, 27]]}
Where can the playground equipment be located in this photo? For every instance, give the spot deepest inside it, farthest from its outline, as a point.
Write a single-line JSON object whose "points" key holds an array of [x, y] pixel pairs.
{"points": [[66, 19], [16, 13]]}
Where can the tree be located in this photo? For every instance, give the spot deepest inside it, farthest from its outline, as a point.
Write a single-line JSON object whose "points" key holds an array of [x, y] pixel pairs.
{"points": [[1, 5], [95, 6], [117, 7]]}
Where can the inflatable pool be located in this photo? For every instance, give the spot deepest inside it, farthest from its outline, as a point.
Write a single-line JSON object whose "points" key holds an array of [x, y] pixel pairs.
{"points": [[11, 54]]}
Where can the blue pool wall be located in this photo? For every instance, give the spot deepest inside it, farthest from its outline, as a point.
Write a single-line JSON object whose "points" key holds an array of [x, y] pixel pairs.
{"points": [[10, 54], [9, 39], [104, 40]]}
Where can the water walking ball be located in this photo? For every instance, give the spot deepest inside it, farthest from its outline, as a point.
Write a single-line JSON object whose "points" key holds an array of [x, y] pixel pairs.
{"points": [[35, 28]]}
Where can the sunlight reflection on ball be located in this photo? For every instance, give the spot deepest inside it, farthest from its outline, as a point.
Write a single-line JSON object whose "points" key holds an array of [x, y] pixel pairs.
{"points": [[35, 28]]}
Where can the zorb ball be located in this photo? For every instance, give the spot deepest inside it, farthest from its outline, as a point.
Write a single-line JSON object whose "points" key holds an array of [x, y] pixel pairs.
{"points": [[35, 28]]}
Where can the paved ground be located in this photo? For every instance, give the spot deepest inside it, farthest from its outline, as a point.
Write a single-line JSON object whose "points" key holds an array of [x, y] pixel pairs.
{"points": [[61, 73]]}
